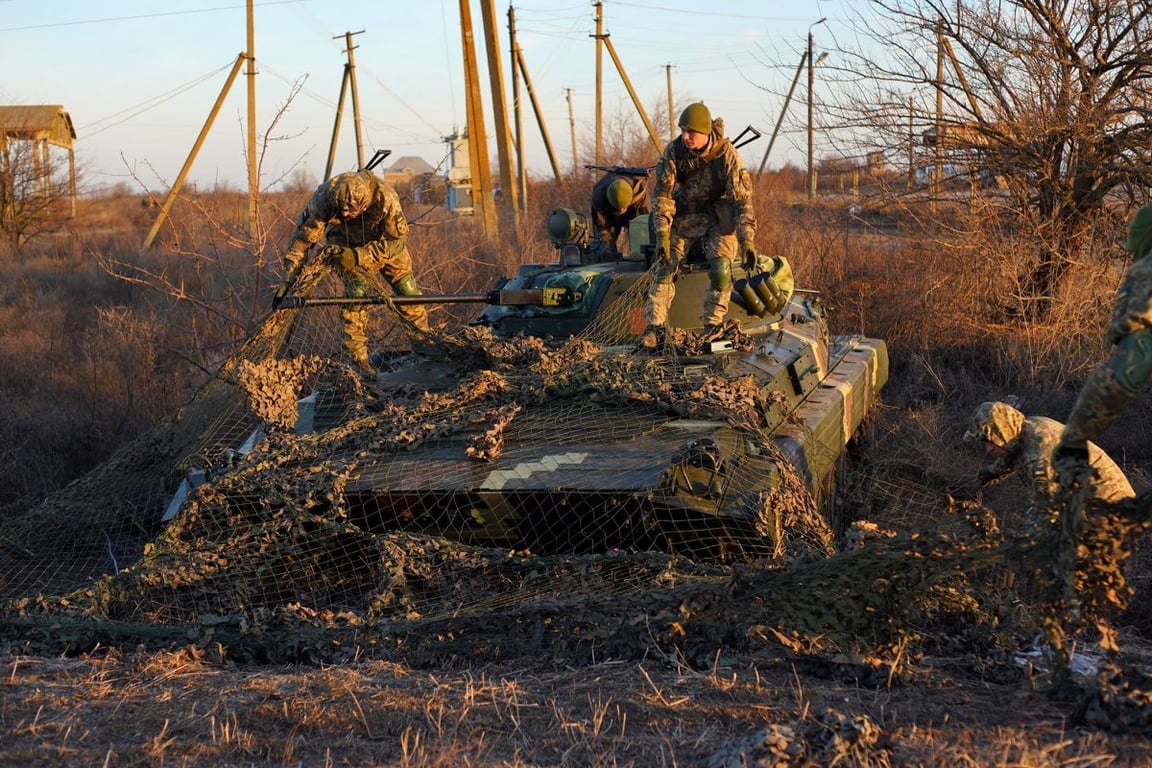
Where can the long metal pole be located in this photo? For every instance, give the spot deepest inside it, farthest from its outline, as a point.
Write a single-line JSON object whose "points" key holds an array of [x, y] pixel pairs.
{"points": [[671, 118]]}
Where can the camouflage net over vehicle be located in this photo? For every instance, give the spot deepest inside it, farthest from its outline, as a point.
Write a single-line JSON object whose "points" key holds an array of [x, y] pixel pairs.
{"points": [[284, 551]]}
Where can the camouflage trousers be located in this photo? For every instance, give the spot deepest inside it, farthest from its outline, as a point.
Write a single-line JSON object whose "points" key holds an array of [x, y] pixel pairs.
{"points": [[360, 282], [663, 288]]}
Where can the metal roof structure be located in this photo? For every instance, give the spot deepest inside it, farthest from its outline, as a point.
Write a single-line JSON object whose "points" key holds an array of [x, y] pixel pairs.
{"points": [[43, 125], [38, 122]]}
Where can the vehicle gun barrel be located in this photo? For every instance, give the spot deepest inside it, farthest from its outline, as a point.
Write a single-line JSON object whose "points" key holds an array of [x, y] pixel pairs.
{"points": [[538, 297]]}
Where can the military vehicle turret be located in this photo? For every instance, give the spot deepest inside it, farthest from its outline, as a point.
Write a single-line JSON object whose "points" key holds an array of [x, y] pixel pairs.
{"points": [[558, 433]]}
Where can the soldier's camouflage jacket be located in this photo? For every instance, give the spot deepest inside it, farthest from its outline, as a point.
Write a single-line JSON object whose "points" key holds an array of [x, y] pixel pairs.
{"points": [[1029, 454], [378, 234], [695, 191]]}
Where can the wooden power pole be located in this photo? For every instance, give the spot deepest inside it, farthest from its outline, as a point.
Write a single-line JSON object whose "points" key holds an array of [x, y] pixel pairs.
{"points": [[347, 84], [513, 51], [253, 179], [482, 200], [509, 183]]}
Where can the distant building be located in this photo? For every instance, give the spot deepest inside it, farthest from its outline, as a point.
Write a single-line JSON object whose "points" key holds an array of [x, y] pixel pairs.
{"points": [[42, 126], [415, 178]]}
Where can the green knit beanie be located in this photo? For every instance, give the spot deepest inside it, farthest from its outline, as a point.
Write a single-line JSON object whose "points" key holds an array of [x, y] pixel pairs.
{"points": [[1140, 232]]}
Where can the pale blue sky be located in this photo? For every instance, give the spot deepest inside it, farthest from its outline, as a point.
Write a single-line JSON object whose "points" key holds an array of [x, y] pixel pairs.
{"points": [[139, 78]]}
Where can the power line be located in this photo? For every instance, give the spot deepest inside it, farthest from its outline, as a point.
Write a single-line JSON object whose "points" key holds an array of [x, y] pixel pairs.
{"points": [[144, 106], [143, 16]]}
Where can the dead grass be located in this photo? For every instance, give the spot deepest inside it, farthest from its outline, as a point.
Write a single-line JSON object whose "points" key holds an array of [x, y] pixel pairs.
{"points": [[172, 708]]}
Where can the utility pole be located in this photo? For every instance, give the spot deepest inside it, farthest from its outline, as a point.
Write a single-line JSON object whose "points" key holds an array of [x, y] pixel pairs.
{"points": [[937, 176], [514, 54], [348, 82], [599, 83], [508, 180], [811, 80], [253, 180], [784, 109], [180, 177], [482, 200], [572, 129], [671, 119], [539, 119], [351, 64]]}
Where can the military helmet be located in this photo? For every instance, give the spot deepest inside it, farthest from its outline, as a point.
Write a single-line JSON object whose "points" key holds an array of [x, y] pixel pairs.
{"points": [[1140, 232], [350, 193], [619, 194], [696, 117], [998, 423]]}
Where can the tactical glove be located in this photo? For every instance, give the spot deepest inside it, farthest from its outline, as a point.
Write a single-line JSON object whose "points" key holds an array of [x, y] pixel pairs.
{"points": [[664, 249], [749, 253], [342, 257], [281, 293]]}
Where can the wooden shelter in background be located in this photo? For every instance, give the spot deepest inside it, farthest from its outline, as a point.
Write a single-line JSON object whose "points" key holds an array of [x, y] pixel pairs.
{"points": [[44, 126]]}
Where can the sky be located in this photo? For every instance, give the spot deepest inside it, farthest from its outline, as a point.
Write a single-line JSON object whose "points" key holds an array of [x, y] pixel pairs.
{"points": [[139, 78]]}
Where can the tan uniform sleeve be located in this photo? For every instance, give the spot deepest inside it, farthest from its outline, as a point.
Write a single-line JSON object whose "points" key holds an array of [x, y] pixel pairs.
{"points": [[663, 206], [393, 228], [309, 231], [740, 192]]}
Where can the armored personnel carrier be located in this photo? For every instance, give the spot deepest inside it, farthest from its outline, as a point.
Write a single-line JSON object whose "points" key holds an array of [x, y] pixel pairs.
{"points": [[547, 427]]}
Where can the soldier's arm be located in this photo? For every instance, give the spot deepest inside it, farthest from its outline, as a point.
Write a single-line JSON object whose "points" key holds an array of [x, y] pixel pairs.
{"points": [[663, 206], [740, 191], [309, 231]]}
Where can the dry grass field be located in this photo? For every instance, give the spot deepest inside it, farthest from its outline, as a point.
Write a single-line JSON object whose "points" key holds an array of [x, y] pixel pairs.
{"points": [[88, 360]]}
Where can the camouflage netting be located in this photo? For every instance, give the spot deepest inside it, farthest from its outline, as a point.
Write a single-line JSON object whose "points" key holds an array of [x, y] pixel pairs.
{"points": [[296, 545]]}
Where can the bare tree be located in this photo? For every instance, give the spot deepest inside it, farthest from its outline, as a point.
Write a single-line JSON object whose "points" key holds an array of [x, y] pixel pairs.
{"points": [[1050, 97], [35, 190]]}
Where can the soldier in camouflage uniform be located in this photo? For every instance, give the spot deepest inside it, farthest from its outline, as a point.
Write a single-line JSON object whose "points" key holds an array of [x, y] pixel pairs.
{"points": [[1025, 445], [360, 219], [616, 200], [702, 193], [1117, 382]]}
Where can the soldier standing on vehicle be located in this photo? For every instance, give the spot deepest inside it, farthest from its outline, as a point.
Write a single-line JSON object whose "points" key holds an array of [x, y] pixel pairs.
{"points": [[360, 219], [617, 199], [702, 192], [1115, 384], [1024, 445]]}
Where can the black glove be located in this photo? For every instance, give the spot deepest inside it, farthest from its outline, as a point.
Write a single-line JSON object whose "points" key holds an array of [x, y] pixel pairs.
{"points": [[749, 253]]}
